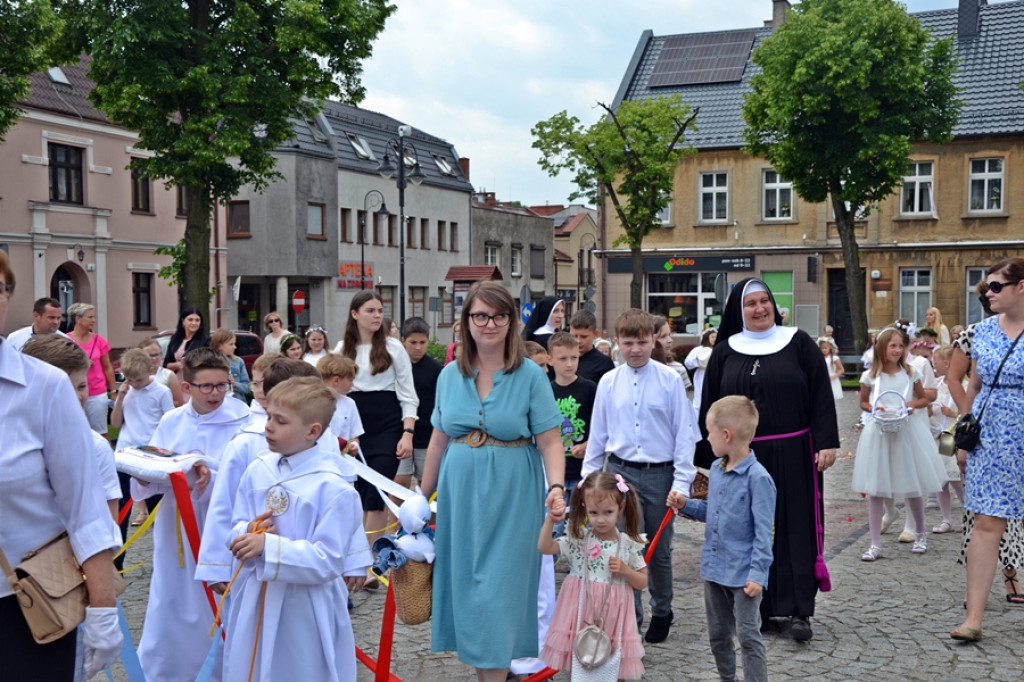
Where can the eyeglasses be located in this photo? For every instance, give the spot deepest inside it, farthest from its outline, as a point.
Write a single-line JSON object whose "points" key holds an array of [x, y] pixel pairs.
{"points": [[273, 321], [481, 319], [207, 389], [996, 287]]}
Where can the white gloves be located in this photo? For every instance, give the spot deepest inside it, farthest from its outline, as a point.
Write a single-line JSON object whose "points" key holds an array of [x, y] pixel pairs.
{"points": [[102, 639]]}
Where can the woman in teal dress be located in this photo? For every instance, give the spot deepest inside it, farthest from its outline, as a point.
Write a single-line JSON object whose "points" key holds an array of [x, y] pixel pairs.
{"points": [[492, 485]]}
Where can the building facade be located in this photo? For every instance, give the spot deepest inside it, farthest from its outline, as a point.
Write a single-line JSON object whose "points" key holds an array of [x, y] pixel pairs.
{"points": [[78, 225], [960, 209], [319, 229]]}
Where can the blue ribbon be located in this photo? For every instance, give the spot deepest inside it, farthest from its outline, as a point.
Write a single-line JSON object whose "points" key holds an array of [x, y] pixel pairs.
{"points": [[129, 657], [206, 672]]}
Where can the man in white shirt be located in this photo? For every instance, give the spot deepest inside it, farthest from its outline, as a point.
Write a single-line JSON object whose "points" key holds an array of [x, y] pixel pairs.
{"points": [[45, 320], [643, 428]]}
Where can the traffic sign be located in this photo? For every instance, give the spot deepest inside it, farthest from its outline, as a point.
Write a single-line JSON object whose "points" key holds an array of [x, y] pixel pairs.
{"points": [[298, 301], [526, 311]]}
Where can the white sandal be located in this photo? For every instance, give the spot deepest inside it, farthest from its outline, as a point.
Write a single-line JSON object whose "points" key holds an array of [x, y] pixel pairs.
{"points": [[874, 552], [920, 544], [944, 527]]}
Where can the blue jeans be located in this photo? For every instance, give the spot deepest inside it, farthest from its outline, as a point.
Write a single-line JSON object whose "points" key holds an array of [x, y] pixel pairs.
{"points": [[652, 486], [732, 613]]}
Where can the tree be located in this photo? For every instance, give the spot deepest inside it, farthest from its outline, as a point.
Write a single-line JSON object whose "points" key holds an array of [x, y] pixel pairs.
{"points": [[630, 156], [28, 29], [845, 87], [213, 87]]}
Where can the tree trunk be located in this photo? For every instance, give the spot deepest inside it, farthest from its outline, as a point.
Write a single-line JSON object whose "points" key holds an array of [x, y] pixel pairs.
{"points": [[854, 274], [197, 251], [636, 286]]}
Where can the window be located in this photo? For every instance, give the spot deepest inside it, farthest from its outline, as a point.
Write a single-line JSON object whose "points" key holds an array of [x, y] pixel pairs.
{"points": [[140, 192], [665, 215], [392, 230], [453, 239], [686, 299], [238, 219], [714, 197], [360, 147], [315, 221], [781, 285], [916, 198], [418, 301], [181, 202], [361, 227], [343, 225], [65, 173], [986, 185], [517, 262], [387, 301], [975, 313], [142, 299], [447, 317], [915, 293], [444, 166], [442, 228], [376, 228], [778, 197], [424, 233], [537, 262], [491, 254], [410, 232]]}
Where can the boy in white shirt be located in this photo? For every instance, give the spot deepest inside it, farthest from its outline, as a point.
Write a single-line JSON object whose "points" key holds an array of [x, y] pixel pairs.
{"points": [[296, 521], [141, 402], [643, 427], [175, 634], [338, 373]]}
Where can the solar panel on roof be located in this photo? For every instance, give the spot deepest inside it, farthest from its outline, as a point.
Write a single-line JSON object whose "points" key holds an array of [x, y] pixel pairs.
{"points": [[702, 58]]}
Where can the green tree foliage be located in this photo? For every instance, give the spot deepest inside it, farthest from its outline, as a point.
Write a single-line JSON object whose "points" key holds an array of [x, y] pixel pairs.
{"points": [[213, 86], [845, 87], [28, 29], [630, 156]]}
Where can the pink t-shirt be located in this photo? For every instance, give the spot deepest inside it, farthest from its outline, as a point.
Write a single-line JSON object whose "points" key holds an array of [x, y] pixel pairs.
{"points": [[95, 348]]}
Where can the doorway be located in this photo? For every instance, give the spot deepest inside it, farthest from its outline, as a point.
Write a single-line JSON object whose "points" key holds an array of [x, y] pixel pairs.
{"points": [[839, 311]]}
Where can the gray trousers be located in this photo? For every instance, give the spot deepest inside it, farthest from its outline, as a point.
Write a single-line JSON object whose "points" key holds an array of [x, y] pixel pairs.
{"points": [[732, 613], [652, 486]]}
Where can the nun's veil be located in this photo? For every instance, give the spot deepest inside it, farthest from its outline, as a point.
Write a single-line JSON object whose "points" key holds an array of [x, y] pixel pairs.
{"points": [[732, 316]]}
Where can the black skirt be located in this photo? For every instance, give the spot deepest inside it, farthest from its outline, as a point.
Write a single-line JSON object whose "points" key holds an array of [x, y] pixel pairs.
{"points": [[24, 660], [381, 415]]}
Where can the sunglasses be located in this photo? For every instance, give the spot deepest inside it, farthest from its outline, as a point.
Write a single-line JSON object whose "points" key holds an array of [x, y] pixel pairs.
{"points": [[273, 321], [996, 287]]}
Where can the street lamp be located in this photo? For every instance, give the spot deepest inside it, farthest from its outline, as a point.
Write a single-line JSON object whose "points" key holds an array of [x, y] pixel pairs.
{"points": [[580, 270], [383, 211], [415, 176]]}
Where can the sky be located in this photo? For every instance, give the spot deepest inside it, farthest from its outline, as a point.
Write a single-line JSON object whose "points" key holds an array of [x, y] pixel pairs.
{"points": [[481, 73]]}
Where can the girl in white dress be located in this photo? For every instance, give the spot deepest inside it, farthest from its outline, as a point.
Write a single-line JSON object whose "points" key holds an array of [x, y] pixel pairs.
{"points": [[834, 364], [903, 462], [315, 345], [944, 413]]}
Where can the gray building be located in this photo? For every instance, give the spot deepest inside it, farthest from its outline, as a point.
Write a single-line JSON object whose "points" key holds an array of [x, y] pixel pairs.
{"points": [[318, 230]]}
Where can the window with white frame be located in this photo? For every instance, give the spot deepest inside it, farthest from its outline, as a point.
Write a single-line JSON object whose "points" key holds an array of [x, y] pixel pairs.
{"points": [[778, 196], [314, 221], [916, 197], [915, 293], [490, 254], [986, 185], [665, 215], [714, 197], [975, 313], [516, 265]]}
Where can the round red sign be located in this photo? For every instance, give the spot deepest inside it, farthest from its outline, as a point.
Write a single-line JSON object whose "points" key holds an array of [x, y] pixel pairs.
{"points": [[298, 301]]}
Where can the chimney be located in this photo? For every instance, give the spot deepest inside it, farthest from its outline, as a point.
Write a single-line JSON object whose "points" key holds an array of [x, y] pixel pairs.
{"points": [[968, 23], [464, 165], [779, 10]]}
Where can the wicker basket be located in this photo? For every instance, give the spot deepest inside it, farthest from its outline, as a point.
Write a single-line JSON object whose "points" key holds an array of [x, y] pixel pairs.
{"points": [[892, 419], [699, 487], [413, 584]]}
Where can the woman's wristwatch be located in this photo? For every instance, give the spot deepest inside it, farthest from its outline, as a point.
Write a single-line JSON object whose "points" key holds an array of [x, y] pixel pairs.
{"points": [[411, 432], [556, 485]]}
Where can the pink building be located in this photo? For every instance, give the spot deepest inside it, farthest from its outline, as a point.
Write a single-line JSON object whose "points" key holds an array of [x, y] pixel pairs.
{"points": [[78, 225]]}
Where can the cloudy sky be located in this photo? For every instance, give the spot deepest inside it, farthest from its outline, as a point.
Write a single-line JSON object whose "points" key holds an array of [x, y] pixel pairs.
{"points": [[482, 73]]}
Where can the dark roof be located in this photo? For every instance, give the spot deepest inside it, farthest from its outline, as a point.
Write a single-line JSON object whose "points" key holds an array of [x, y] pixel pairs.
{"points": [[343, 121], [66, 99], [565, 226], [473, 273], [991, 66]]}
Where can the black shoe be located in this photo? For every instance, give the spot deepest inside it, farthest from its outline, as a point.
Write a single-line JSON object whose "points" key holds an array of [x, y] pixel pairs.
{"points": [[658, 631], [800, 628]]}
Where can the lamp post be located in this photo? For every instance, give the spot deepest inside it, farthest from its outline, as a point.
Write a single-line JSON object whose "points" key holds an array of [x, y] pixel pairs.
{"points": [[580, 270], [415, 176], [382, 211]]}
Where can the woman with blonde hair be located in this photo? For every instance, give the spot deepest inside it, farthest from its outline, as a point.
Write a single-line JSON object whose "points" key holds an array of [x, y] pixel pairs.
{"points": [[101, 374], [274, 324], [933, 320]]}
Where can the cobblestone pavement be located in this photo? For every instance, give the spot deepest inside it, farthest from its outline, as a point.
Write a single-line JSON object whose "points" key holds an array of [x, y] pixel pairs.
{"points": [[882, 621]]}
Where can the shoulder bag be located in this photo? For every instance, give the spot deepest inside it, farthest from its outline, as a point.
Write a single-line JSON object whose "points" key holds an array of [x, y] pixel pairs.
{"points": [[967, 429], [594, 660], [50, 588]]}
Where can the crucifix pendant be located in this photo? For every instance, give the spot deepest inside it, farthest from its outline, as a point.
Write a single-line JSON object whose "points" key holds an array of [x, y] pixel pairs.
{"points": [[757, 363]]}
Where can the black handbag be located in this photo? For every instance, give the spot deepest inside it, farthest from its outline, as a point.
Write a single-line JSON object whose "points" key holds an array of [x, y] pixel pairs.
{"points": [[967, 431]]}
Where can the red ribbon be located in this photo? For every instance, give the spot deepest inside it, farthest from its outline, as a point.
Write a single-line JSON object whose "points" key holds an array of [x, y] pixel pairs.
{"points": [[188, 519], [123, 514]]}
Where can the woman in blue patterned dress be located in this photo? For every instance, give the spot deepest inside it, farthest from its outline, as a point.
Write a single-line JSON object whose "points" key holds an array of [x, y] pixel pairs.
{"points": [[995, 486], [490, 482]]}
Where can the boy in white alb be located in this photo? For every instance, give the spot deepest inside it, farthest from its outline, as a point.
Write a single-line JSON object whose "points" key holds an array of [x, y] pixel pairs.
{"points": [[295, 523], [644, 426], [338, 373], [175, 635]]}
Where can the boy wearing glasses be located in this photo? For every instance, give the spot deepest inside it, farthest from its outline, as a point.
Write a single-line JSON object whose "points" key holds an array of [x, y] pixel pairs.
{"points": [[175, 635]]}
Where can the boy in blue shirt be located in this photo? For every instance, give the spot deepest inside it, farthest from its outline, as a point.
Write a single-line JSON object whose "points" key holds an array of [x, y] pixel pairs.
{"points": [[739, 514]]}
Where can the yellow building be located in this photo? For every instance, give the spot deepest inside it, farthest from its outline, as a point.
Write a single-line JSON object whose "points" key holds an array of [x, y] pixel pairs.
{"points": [[961, 207]]}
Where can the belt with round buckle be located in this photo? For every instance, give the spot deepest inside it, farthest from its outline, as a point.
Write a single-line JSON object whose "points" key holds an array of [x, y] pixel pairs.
{"points": [[478, 437]]}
